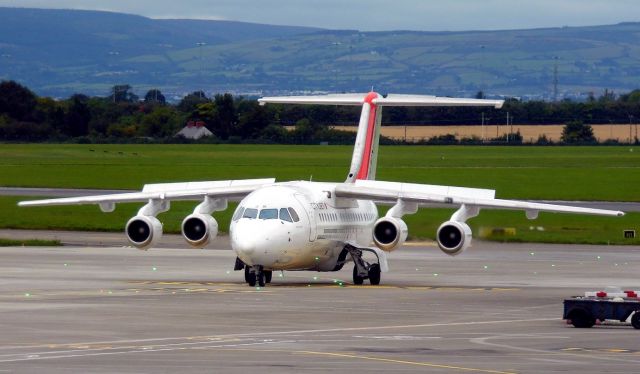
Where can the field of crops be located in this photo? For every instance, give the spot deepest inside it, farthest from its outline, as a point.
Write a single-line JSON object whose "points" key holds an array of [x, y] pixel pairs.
{"points": [[530, 133], [567, 173]]}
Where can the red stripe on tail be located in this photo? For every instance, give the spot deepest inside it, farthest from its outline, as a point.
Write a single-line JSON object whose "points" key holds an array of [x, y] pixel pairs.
{"points": [[363, 173]]}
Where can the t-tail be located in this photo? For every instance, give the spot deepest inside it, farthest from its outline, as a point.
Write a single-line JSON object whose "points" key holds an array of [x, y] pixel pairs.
{"points": [[365, 152]]}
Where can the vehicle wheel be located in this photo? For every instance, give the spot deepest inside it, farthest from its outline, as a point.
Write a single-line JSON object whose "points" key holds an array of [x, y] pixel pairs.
{"points": [[635, 320], [580, 318], [374, 274], [260, 278], [251, 279], [246, 273], [268, 275], [356, 278]]}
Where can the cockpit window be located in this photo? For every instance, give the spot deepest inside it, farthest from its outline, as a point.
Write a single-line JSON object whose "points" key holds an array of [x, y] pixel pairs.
{"points": [[268, 214], [294, 215], [284, 215], [250, 213], [238, 214]]}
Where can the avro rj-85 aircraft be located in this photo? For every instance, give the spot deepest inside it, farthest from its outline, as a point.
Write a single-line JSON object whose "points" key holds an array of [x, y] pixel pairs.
{"points": [[317, 226]]}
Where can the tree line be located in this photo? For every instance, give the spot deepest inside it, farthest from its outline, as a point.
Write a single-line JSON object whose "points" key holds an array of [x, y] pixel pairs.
{"points": [[122, 116]]}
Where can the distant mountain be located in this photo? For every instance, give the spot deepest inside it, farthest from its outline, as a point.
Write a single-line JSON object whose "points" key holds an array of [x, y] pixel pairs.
{"points": [[60, 52]]}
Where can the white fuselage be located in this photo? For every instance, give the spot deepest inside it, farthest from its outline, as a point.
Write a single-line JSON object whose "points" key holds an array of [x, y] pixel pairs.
{"points": [[299, 226]]}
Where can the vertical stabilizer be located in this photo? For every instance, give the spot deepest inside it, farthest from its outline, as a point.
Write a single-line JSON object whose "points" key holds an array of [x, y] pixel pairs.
{"points": [[365, 150]]}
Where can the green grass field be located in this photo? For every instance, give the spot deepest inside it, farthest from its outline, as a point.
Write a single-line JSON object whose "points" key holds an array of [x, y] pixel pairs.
{"points": [[29, 243], [568, 173]]}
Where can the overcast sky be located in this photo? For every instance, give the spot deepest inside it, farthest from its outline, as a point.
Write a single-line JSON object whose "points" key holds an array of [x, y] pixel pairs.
{"points": [[373, 15]]}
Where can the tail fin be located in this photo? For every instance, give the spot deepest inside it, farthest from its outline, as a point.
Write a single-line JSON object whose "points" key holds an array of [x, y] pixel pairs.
{"points": [[365, 152]]}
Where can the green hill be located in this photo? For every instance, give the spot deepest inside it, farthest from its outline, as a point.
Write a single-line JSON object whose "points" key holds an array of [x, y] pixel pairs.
{"points": [[59, 52]]}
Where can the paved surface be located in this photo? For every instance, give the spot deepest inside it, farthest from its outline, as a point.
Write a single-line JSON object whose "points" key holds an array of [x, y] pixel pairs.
{"points": [[71, 192], [494, 309]]}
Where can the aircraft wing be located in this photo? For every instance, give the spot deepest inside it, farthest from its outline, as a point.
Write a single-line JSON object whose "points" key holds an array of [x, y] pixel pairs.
{"points": [[230, 189], [471, 197]]}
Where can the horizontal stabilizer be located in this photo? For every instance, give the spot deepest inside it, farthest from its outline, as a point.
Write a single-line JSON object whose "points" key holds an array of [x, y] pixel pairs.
{"points": [[389, 100], [335, 99]]}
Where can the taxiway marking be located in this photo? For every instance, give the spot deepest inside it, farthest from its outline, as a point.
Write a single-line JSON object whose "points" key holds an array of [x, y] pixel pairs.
{"points": [[280, 333], [405, 362]]}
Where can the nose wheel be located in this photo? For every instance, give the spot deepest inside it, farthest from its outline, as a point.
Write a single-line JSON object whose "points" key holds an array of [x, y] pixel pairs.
{"points": [[256, 275]]}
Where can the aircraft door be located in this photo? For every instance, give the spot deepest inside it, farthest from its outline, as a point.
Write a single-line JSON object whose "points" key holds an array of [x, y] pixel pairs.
{"points": [[310, 213]]}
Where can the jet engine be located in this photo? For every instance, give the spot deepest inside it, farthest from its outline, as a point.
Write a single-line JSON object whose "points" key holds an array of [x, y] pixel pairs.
{"points": [[198, 229], [389, 233], [143, 231], [454, 237]]}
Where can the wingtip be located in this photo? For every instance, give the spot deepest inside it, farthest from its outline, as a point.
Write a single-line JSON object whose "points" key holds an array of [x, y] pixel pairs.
{"points": [[620, 214]]}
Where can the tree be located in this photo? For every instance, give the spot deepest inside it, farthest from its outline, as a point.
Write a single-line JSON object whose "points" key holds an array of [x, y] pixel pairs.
{"points": [[154, 96], [189, 103], [227, 118], [78, 116], [252, 123], [17, 101], [576, 132], [121, 93], [163, 121]]}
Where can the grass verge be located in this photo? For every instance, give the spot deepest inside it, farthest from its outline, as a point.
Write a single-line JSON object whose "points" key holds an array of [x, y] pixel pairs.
{"points": [[29, 243]]}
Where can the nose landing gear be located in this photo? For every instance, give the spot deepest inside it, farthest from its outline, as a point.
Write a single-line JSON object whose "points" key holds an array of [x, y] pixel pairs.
{"points": [[257, 275]]}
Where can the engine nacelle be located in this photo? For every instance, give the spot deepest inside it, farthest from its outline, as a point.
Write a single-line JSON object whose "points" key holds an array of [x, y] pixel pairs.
{"points": [[389, 233], [199, 229], [454, 237], [143, 231]]}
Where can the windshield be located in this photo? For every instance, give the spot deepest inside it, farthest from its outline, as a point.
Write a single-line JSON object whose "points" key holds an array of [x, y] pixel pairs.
{"points": [[284, 215], [250, 213], [238, 214], [294, 215], [268, 214]]}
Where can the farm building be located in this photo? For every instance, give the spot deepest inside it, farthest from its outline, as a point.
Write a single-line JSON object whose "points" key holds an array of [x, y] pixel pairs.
{"points": [[194, 130]]}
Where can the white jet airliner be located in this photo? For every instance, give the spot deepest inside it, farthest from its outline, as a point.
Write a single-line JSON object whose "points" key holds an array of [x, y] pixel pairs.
{"points": [[318, 226]]}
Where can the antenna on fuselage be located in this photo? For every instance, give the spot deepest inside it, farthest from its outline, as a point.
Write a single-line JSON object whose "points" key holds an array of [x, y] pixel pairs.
{"points": [[311, 178]]}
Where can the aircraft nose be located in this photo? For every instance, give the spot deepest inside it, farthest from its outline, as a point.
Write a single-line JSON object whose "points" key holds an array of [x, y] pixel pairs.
{"points": [[259, 242], [244, 240], [244, 244]]}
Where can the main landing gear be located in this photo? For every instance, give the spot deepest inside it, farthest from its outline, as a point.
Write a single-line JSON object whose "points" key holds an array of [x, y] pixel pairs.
{"points": [[362, 269]]}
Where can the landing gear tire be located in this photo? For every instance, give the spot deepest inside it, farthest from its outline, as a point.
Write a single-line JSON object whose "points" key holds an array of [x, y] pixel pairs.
{"points": [[247, 273], [374, 274], [252, 279], [268, 274], [635, 320], [260, 277], [357, 279]]}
